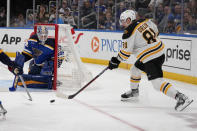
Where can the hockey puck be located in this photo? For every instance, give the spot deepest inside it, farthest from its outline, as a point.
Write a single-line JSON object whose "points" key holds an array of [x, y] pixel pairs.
{"points": [[51, 101]]}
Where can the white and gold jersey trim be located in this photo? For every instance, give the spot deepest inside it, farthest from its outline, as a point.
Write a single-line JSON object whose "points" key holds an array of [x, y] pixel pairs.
{"points": [[151, 52], [124, 55]]}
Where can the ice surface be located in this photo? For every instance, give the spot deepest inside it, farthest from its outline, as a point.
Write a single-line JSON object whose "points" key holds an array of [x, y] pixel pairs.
{"points": [[97, 108]]}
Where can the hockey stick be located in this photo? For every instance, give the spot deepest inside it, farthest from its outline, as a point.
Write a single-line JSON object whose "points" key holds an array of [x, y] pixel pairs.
{"points": [[73, 95], [22, 80]]}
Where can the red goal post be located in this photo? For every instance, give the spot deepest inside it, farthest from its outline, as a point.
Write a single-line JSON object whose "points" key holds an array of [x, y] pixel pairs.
{"points": [[69, 71]]}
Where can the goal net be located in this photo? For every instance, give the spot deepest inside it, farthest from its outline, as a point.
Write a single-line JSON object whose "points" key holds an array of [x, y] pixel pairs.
{"points": [[69, 71]]}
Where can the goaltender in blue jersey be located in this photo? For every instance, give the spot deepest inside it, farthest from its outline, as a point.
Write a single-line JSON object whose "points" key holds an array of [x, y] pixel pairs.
{"points": [[39, 47], [40, 50]]}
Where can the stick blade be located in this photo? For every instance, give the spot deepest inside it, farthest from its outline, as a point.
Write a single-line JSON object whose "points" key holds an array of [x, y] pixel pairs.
{"points": [[71, 96]]}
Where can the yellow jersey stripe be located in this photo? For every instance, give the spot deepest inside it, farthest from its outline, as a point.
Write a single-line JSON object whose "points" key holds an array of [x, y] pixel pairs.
{"points": [[127, 53], [1, 50], [50, 47], [143, 52], [163, 84], [32, 40], [134, 81], [25, 52], [122, 56], [152, 53]]}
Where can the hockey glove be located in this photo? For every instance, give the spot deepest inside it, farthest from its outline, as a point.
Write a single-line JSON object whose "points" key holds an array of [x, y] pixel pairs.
{"points": [[16, 70], [113, 63]]}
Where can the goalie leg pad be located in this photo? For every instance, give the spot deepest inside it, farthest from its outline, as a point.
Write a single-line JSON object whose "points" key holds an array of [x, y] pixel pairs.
{"points": [[37, 81], [15, 83]]}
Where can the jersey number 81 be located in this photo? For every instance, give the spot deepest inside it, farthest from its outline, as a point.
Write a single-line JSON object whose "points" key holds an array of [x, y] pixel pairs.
{"points": [[149, 35]]}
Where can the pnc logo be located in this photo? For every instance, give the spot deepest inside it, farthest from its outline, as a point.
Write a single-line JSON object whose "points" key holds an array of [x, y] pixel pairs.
{"points": [[95, 44]]}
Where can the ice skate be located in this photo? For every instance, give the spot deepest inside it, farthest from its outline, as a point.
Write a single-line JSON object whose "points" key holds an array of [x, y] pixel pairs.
{"points": [[130, 95], [3, 112], [182, 101]]}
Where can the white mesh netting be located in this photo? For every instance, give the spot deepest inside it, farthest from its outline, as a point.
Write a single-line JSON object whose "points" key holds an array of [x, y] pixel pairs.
{"points": [[71, 73]]}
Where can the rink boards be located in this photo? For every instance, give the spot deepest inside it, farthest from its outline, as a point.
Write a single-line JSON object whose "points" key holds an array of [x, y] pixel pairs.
{"points": [[99, 46]]}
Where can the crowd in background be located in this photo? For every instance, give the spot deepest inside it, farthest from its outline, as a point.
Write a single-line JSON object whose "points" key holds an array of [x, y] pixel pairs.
{"points": [[171, 16]]}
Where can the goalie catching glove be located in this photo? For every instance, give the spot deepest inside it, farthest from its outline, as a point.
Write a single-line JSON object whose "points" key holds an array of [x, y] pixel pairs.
{"points": [[15, 69], [113, 63]]}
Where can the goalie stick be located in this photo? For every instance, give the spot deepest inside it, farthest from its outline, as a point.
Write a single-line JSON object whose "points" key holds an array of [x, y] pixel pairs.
{"points": [[22, 80], [73, 95]]}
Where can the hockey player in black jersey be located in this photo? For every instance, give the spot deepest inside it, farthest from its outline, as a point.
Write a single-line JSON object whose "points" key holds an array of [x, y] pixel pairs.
{"points": [[141, 39], [40, 50], [15, 69]]}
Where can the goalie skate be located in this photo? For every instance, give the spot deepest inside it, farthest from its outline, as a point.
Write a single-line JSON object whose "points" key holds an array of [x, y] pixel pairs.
{"points": [[130, 95], [182, 102]]}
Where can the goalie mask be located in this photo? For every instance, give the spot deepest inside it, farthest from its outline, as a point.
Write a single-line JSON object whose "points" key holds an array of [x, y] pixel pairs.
{"points": [[42, 33], [125, 15]]}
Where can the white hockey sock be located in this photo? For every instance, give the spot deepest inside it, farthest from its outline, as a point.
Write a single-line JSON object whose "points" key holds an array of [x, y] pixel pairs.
{"points": [[134, 82], [165, 87]]}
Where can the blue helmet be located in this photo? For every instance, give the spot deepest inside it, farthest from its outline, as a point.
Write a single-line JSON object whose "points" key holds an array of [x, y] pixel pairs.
{"points": [[42, 33]]}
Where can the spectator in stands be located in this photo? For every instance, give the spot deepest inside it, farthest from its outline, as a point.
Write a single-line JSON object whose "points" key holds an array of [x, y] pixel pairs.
{"points": [[159, 14], [101, 6], [129, 4], [93, 2], [163, 23], [101, 24], [121, 8], [42, 14], [86, 9], [110, 3], [20, 20], [64, 6], [29, 21], [2, 17], [189, 23], [52, 16], [170, 28], [88, 16], [52, 19], [68, 18], [176, 16], [109, 24], [166, 2], [75, 12], [193, 5]]}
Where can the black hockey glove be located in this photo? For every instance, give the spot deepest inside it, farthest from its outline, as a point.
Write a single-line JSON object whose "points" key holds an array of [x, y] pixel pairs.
{"points": [[113, 63], [16, 70]]}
